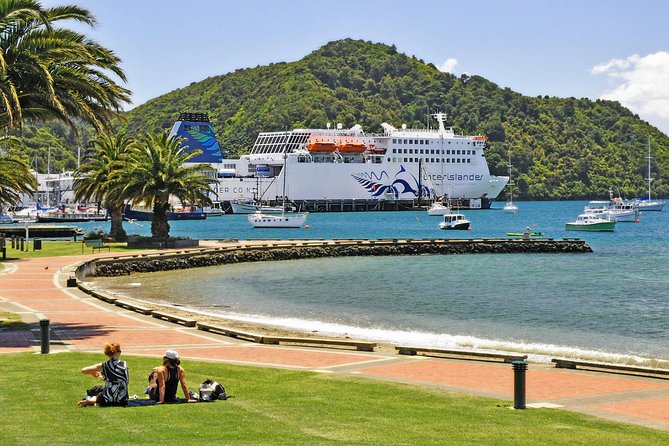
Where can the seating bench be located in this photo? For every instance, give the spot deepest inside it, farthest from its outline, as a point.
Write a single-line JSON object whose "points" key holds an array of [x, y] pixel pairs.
{"points": [[95, 244], [464, 354], [611, 368], [359, 345], [233, 333], [172, 318]]}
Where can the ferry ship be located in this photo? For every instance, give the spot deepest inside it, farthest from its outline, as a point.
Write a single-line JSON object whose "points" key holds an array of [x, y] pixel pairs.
{"points": [[323, 165]]}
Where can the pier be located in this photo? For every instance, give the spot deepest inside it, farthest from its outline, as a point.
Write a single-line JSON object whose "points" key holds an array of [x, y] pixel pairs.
{"points": [[270, 250]]}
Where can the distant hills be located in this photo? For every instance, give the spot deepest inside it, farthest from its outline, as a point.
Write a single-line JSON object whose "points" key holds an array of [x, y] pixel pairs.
{"points": [[561, 148]]}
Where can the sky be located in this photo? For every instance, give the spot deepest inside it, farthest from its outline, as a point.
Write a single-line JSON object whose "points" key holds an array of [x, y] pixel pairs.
{"points": [[608, 49]]}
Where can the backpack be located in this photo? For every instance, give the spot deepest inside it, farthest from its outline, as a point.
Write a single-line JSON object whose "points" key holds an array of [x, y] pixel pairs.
{"points": [[210, 390]]}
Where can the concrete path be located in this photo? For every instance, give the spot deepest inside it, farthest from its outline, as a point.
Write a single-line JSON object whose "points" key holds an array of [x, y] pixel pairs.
{"points": [[35, 288]]}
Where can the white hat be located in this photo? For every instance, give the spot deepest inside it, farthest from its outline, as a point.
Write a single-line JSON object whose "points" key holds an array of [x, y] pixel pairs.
{"points": [[171, 354]]}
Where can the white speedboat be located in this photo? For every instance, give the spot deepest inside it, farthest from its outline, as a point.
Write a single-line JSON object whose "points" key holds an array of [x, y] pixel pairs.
{"points": [[438, 209], [455, 221], [614, 209], [591, 222], [260, 220]]}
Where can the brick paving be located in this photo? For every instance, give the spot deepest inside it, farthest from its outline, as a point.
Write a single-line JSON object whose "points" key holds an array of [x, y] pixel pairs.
{"points": [[35, 288]]}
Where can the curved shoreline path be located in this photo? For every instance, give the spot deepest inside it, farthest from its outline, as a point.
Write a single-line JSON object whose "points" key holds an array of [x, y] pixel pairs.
{"points": [[36, 289]]}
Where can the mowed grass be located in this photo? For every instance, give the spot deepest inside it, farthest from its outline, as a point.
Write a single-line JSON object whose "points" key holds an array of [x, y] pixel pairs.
{"points": [[60, 248], [277, 407]]}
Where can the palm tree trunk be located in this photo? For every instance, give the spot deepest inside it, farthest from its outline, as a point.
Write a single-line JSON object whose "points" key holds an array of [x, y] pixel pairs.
{"points": [[160, 228], [117, 232]]}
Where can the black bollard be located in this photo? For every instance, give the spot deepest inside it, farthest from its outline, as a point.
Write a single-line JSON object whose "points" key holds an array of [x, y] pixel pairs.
{"points": [[519, 369], [44, 329]]}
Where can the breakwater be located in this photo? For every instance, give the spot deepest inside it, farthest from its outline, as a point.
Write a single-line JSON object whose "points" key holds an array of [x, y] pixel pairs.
{"points": [[308, 249]]}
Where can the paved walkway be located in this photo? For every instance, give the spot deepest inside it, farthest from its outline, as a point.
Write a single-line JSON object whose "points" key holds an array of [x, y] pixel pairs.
{"points": [[35, 288]]}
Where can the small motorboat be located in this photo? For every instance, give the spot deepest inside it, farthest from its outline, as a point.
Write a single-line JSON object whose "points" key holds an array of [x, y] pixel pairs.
{"points": [[591, 222], [521, 234], [455, 221]]}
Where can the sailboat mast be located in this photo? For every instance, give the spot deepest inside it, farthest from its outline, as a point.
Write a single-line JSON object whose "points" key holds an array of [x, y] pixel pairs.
{"points": [[649, 178]]}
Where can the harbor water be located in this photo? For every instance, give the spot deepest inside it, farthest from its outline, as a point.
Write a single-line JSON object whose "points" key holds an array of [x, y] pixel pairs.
{"points": [[607, 305]]}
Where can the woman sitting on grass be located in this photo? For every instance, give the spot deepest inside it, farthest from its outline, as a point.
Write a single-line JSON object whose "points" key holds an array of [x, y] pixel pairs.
{"points": [[164, 380], [115, 374]]}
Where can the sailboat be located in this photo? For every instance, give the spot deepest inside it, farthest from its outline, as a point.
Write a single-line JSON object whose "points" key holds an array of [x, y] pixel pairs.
{"points": [[510, 207], [646, 203], [282, 220]]}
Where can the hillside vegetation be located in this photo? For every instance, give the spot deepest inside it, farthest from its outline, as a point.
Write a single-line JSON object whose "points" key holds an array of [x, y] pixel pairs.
{"points": [[561, 148]]}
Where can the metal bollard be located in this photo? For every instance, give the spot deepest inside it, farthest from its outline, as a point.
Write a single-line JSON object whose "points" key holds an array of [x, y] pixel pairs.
{"points": [[44, 329], [519, 369], [21, 241]]}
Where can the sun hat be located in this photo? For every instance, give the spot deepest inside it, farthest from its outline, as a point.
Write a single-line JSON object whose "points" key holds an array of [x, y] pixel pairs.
{"points": [[171, 354]]}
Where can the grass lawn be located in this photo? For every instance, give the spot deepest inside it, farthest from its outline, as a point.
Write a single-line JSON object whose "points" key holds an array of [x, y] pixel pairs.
{"points": [[60, 248], [277, 407]]}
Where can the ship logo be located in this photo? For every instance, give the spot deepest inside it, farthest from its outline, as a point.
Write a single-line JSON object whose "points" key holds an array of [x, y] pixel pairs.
{"points": [[402, 184], [206, 140]]}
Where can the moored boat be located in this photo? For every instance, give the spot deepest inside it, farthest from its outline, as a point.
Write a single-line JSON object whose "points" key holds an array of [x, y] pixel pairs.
{"points": [[260, 220], [349, 164], [591, 222], [647, 203], [140, 214], [437, 209], [455, 221]]}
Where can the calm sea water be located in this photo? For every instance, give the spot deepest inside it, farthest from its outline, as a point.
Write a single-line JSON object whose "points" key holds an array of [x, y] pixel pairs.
{"points": [[611, 304]]}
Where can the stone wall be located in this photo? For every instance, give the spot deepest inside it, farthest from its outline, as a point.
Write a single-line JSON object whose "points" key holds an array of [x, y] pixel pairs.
{"points": [[282, 251]]}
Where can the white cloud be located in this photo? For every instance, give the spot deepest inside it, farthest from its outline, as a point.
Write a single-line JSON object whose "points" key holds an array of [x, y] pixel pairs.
{"points": [[640, 83], [448, 65]]}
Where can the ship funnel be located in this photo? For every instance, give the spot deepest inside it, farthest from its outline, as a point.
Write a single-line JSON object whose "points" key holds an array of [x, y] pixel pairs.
{"points": [[198, 132]]}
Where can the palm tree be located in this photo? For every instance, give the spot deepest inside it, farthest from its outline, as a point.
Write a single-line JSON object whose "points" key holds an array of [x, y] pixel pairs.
{"points": [[54, 73], [15, 179], [92, 179], [155, 172]]}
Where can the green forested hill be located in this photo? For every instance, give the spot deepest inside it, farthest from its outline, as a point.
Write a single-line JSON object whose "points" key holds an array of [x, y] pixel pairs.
{"points": [[561, 148]]}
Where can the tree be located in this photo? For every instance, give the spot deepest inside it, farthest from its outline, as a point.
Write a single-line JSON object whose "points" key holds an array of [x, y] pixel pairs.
{"points": [[15, 179], [93, 178], [153, 172], [54, 73]]}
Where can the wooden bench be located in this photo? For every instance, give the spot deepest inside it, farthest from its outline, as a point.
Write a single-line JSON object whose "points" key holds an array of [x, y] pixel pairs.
{"points": [[359, 345], [176, 319], [233, 333], [611, 368], [94, 244], [133, 307], [462, 354]]}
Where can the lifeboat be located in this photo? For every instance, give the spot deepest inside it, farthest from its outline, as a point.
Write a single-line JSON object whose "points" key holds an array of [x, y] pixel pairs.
{"points": [[351, 146], [321, 146], [479, 138]]}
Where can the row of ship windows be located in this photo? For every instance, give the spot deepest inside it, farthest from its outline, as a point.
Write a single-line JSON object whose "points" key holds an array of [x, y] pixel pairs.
{"points": [[200, 128], [432, 160], [426, 141], [435, 152]]}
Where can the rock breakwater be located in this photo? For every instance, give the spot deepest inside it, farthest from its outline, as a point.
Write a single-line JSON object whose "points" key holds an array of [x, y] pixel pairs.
{"points": [[294, 250]]}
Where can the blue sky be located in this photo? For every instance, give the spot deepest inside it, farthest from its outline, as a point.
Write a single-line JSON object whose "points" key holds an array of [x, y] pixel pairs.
{"points": [[609, 49]]}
